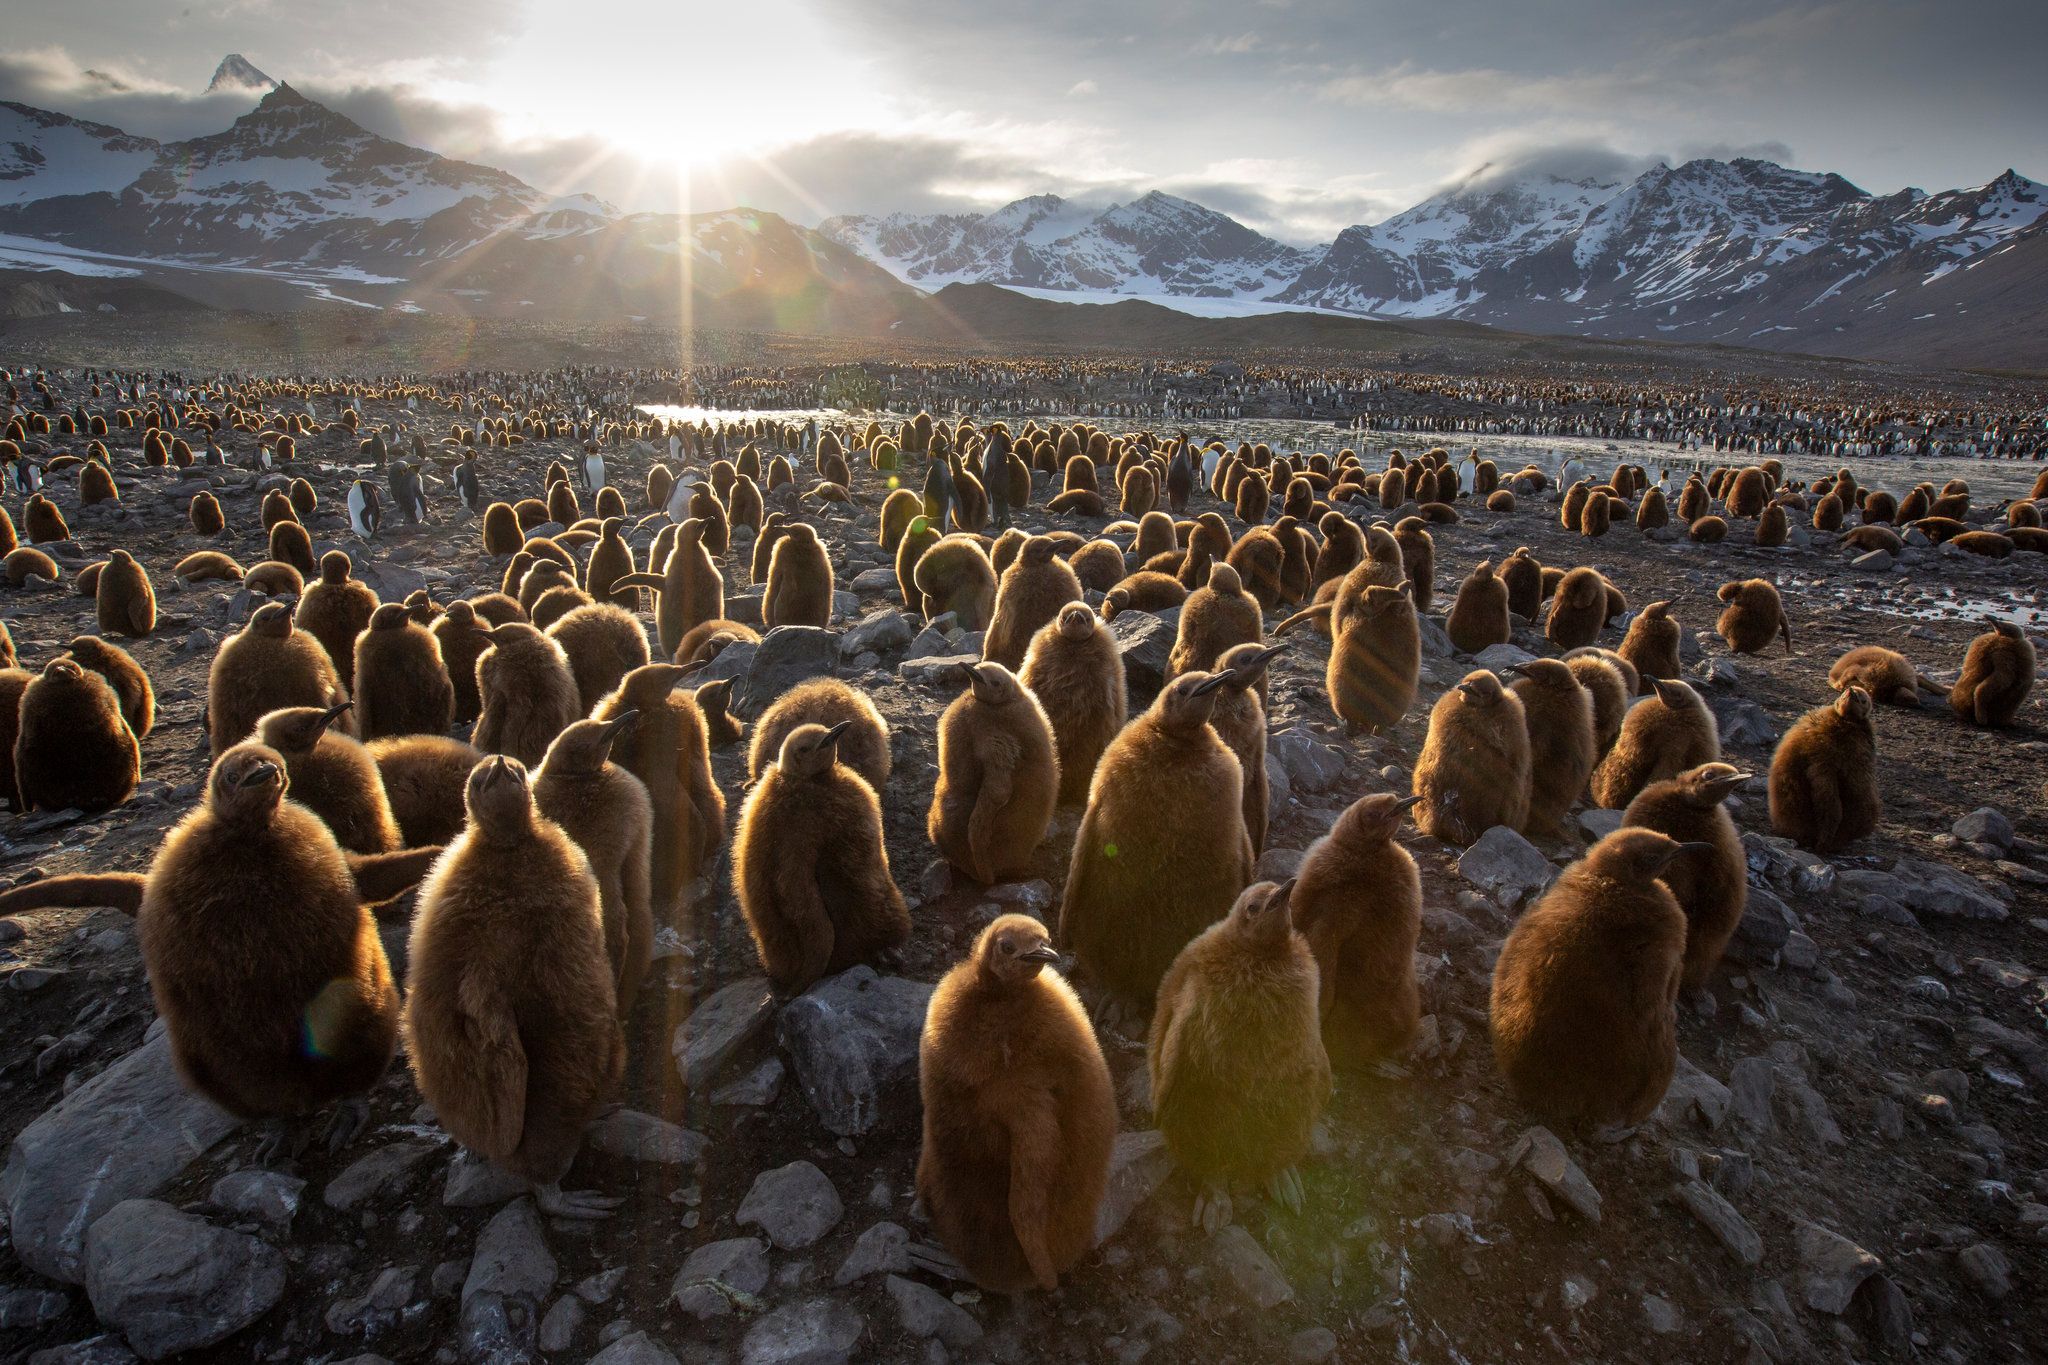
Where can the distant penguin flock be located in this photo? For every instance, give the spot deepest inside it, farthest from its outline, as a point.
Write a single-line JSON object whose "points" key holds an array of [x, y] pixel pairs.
{"points": [[533, 762]]}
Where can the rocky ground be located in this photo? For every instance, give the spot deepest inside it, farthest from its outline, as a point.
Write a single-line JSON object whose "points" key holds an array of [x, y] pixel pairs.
{"points": [[1850, 1165]]}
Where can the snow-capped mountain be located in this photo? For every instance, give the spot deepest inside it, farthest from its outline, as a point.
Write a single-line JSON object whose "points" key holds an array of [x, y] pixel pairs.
{"points": [[1157, 244], [45, 155], [236, 73]]}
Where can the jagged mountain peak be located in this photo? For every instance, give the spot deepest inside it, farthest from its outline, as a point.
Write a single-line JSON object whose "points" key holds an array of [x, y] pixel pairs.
{"points": [[237, 72]]}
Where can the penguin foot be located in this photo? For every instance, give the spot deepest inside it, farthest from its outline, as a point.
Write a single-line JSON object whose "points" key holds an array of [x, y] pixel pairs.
{"points": [[351, 1116], [557, 1202], [890, 958], [1212, 1208], [934, 1259], [1387, 1069], [1285, 1190], [1611, 1133], [281, 1139]]}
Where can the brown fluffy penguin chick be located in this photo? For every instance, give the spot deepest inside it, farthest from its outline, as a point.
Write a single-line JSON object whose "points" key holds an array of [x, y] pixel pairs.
{"points": [[43, 522], [528, 693], [1753, 617], [1375, 657], [1608, 688], [999, 776], [1473, 773], [205, 515], [1358, 901], [799, 580], [1710, 883], [1215, 617], [1074, 669], [264, 962], [1661, 737], [1135, 894], [709, 639], [809, 866], [1029, 596], [603, 644], [125, 603], [1418, 559], [127, 678], [333, 776], [510, 1019], [1240, 720], [268, 665], [1563, 746], [689, 587], [1523, 574], [862, 746], [463, 639], [1479, 615], [424, 777], [722, 728], [1651, 645], [289, 544], [1578, 611], [1019, 1113], [73, 748], [1584, 994], [1887, 675], [13, 682], [667, 750], [954, 575], [1239, 1073], [402, 688], [605, 810], [335, 610], [1998, 672], [1824, 776], [1142, 591]]}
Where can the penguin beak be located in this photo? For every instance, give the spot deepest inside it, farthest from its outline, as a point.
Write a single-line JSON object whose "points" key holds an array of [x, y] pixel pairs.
{"points": [[1732, 782], [1044, 954], [1261, 659], [1405, 802], [333, 714], [619, 724], [260, 774], [1209, 684], [832, 735], [1516, 670]]}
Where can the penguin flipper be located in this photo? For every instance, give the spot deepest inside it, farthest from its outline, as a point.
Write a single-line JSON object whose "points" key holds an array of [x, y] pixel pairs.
{"points": [[1035, 1158], [495, 1070], [121, 890], [382, 876]]}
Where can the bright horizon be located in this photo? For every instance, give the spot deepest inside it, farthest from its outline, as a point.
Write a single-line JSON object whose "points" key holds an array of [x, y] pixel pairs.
{"points": [[1298, 117]]}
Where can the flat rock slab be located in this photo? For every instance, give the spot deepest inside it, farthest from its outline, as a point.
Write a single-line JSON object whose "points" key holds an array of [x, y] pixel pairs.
{"points": [[814, 1332], [171, 1282], [635, 1136], [1506, 866], [726, 1021], [1543, 1156], [1139, 1164], [124, 1134], [794, 1205], [850, 1039], [1831, 1268], [925, 1312], [718, 1278]]}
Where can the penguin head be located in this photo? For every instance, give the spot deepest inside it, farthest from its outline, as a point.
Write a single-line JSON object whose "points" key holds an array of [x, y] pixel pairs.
{"points": [[247, 784], [1552, 675], [1710, 784], [1657, 611], [420, 606], [714, 697], [1380, 545], [335, 566], [1245, 664], [272, 620], [1380, 599], [585, 747], [993, 684], [646, 688], [1482, 570], [1224, 580], [1262, 912], [390, 616], [1038, 550], [296, 729], [461, 614], [810, 750], [1014, 948], [1854, 705], [1673, 693], [1077, 621], [1190, 700], [499, 797], [1481, 687], [1634, 856], [1372, 819]]}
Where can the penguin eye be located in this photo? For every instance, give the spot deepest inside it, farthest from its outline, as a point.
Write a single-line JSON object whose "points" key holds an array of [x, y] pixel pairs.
{"points": [[1009, 948]]}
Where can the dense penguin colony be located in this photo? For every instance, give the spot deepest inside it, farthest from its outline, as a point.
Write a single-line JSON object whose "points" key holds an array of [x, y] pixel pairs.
{"points": [[547, 762]]}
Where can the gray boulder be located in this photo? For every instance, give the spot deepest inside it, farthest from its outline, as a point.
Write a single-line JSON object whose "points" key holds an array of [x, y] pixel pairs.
{"points": [[1144, 641], [794, 1205], [719, 1277], [880, 632], [170, 1282], [925, 1312], [510, 1273], [814, 1332], [636, 1136], [727, 1020], [1506, 866], [635, 1348], [850, 1039], [787, 656]]}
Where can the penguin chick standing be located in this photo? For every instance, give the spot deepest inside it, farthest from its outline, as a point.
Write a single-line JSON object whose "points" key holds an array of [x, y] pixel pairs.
{"points": [[1136, 893], [1562, 746], [1998, 672], [810, 870], [528, 693], [1075, 670], [1479, 615], [1215, 617], [335, 610], [130, 683], [669, 752], [333, 776], [1661, 737], [799, 580], [605, 810], [1030, 594], [125, 604], [1755, 615], [1240, 721], [1474, 770], [1239, 1074], [1358, 903], [73, 748], [1824, 776], [510, 1018], [1019, 1113], [1583, 1008], [424, 777], [1711, 885], [1375, 657], [268, 665], [998, 776], [402, 688], [1651, 644]]}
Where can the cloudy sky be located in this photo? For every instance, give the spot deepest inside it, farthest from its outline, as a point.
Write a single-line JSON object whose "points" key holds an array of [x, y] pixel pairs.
{"points": [[1296, 116]]}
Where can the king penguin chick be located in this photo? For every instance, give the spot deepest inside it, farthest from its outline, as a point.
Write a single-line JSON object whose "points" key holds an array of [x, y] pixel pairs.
{"points": [[1019, 1113], [1358, 902], [1711, 885], [333, 776], [73, 749], [1661, 737], [605, 810], [1474, 770], [1215, 617], [270, 664], [1239, 1074], [668, 751], [1240, 721], [1887, 675], [799, 589], [1824, 776], [1375, 657], [125, 604], [1134, 895], [810, 870], [510, 1016], [863, 745], [1583, 1008], [1651, 644], [1479, 615], [1075, 670], [402, 688], [528, 693], [1562, 744], [1998, 672], [1754, 616], [998, 778], [424, 777], [130, 683], [335, 610], [1030, 595]]}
